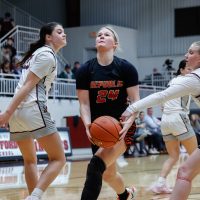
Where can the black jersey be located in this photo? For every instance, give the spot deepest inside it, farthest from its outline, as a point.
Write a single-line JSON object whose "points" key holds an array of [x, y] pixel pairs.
{"points": [[107, 85]]}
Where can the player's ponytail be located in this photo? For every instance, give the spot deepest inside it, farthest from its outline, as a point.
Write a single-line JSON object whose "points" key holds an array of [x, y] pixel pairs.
{"points": [[181, 65]]}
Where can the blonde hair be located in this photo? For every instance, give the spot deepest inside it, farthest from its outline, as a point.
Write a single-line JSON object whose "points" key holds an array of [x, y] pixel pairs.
{"points": [[115, 36], [197, 44]]}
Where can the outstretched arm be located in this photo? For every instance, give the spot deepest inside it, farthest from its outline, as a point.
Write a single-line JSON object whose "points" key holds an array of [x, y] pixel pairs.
{"points": [[188, 85]]}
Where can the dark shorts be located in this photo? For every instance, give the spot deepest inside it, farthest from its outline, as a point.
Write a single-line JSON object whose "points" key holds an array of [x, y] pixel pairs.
{"points": [[128, 138]]}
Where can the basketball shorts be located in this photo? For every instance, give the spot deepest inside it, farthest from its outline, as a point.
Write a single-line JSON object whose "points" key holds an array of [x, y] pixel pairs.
{"points": [[176, 126], [31, 121]]}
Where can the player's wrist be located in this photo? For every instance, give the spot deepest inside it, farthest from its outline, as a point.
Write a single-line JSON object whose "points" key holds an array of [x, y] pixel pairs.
{"points": [[130, 109]]}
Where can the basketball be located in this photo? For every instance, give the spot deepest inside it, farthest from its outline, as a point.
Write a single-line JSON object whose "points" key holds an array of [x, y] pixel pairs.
{"points": [[105, 131]]}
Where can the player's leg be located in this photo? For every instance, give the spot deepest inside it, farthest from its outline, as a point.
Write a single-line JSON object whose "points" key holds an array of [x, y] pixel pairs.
{"points": [[190, 144], [27, 148], [115, 180], [111, 176], [102, 159], [53, 146], [173, 150], [160, 185], [188, 170]]}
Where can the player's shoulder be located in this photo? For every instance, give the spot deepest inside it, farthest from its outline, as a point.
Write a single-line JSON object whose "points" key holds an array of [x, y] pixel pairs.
{"points": [[45, 50], [123, 62], [88, 65], [45, 53], [196, 73]]}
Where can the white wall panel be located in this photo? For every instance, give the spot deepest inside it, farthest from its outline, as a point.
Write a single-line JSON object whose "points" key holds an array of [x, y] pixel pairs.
{"points": [[154, 20]]}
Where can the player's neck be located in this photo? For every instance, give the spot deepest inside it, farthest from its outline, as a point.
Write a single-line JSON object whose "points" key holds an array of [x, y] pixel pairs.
{"points": [[105, 59]]}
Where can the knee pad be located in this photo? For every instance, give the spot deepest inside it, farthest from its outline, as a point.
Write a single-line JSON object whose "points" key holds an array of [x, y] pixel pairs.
{"points": [[93, 182], [97, 164]]}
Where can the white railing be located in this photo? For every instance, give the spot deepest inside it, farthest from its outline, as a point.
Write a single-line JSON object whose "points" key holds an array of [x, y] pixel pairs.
{"points": [[161, 79], [62, 88], [146, 90], [23, 37]]}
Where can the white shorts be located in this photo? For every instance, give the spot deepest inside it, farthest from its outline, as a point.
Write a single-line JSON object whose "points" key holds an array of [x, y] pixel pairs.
{"points": [[32, 121], [176, 126]]}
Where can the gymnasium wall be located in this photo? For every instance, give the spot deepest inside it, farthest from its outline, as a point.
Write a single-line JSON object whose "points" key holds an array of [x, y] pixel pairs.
{"points": [[81, 43], [152, 19]]}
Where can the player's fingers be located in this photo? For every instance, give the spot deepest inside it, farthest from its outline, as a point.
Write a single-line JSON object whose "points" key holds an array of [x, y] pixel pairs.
{"points": [[122, 136]]}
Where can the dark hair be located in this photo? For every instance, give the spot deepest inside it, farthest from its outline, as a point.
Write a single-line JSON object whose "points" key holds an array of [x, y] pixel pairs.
{"points": [[76, 62], [47, 29], [181, 65], [141, 112], [7, 15]]}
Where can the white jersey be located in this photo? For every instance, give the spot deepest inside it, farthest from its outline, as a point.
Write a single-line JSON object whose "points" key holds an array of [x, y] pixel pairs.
{"points": [[188, 84], [181, 104], [43, 64]]}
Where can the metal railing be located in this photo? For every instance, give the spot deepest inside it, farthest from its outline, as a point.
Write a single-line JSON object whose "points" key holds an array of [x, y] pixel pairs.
{"points": [[23, 37], [62, 88], [160, 80]]}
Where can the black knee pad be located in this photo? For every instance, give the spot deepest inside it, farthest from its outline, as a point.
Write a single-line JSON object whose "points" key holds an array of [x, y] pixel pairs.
{"points": [[93, 182], [97, 164]]}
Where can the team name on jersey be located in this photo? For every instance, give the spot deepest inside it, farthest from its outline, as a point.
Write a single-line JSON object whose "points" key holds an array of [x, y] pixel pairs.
{"points": [[106, 84]]}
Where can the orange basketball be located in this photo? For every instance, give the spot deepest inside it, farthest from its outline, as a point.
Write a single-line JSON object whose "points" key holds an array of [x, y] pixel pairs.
{"points": [[105, 131]]}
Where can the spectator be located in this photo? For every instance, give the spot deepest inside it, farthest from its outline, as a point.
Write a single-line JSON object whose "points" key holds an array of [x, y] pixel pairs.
{"points": [[10, 45], [16, 69], [75, 68], [6, 54], [141, 132], [5, 69], [7, 24], [66, 73], [155, 140]]}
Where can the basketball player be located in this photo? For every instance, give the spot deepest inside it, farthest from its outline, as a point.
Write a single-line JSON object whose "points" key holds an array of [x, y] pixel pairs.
{"points": [[28, 115], [189, 84], [176, 129], [103, 85]]}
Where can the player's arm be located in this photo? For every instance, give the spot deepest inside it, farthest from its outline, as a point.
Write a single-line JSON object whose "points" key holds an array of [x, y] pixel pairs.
{"points": [[29, 84], [133, 96], [133, 93], [83, 96], [188, 85]]}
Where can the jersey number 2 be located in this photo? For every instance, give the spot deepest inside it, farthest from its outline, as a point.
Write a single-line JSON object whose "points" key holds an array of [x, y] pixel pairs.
{"points": [[107, 94]]}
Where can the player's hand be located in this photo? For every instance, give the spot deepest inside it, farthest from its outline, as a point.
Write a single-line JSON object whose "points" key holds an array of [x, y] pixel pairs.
{"points": [[126, 120], [88, 133], [4, 117]]}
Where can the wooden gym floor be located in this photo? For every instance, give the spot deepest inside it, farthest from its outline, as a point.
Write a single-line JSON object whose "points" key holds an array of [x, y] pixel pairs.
{"points": [[141, 172]]}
